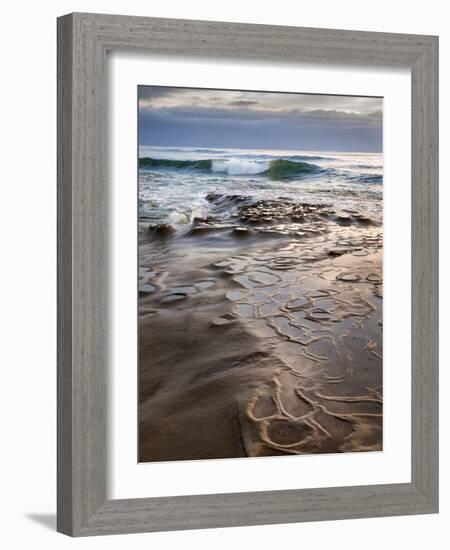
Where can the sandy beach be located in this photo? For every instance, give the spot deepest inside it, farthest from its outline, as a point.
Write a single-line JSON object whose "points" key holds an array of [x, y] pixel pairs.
{"points": [[260, 333]]}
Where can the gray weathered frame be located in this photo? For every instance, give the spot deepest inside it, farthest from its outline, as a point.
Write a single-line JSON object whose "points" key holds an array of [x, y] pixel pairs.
{"points": [[83, 40]]}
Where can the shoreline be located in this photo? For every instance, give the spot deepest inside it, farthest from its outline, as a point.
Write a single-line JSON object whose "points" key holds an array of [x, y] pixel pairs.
{"points": [[265, 345]]}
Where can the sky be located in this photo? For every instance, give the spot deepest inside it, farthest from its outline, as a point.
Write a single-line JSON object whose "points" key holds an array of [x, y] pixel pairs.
{"points": [[194, 117]]}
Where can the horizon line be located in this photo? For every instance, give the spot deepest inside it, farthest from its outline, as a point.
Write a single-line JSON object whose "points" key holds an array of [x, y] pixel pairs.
{"points": [[259, 149]]}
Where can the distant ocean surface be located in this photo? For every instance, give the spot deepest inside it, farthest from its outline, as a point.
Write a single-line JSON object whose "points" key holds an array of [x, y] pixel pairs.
{"points": [[174, 182]]}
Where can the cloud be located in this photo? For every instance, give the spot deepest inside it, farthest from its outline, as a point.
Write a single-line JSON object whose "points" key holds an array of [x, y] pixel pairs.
{"points": [[157, 128], [228, 118], [152, 92], [224, 115], [155, 97], [242, 103], [338, 115]]}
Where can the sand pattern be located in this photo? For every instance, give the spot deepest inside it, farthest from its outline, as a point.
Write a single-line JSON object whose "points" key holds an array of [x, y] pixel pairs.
{"points": [[271, 345]]}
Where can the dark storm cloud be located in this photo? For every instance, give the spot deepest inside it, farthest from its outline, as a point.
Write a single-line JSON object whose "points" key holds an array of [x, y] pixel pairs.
{"points": [[217, 118], [189, 114], [151, 92], [243, 103]]}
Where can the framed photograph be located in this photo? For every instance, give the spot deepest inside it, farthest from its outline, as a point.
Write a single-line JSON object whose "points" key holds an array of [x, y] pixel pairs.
{"points": [[247, 274], [260, 217]]}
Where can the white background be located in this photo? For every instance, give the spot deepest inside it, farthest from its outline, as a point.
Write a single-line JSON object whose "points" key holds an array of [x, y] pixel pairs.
{"points": [[131, 480], [28, 302]]}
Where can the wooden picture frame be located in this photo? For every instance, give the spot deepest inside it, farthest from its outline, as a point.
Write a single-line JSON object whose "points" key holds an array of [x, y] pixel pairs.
{"points": [[83, 41]]}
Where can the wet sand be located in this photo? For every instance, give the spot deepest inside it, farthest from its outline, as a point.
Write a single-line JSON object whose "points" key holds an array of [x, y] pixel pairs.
{"points": [[262, 335]]}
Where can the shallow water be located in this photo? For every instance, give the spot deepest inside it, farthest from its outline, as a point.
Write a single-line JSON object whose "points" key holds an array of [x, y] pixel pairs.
{"points": [[261, 318]]}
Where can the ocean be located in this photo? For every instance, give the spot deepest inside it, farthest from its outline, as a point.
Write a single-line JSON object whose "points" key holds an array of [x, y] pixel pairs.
{"points": [[174, 182], [260, 303]]}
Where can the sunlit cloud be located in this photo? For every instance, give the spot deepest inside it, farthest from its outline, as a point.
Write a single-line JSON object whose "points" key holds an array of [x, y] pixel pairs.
{"points": [[155, 97]]}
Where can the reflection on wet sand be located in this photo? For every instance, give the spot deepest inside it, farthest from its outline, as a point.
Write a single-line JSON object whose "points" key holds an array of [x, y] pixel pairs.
{"points": [[262, 335]]}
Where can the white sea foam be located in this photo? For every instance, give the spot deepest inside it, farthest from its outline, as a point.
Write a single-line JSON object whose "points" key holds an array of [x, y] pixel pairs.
{"points": [[177, 195], [178, 218], [187, 216], [239, 166]]}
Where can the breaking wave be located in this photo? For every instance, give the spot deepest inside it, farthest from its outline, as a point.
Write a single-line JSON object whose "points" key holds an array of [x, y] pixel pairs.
{"points": [[276, 168]]}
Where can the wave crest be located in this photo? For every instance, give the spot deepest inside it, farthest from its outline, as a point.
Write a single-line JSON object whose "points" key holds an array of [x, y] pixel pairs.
{"points": [[148, 162], [275, 169]]}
